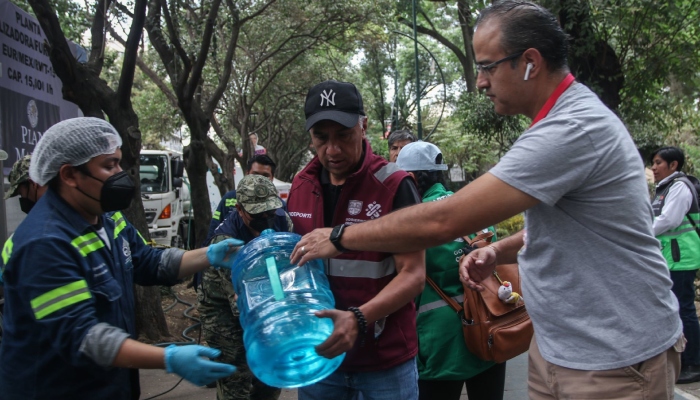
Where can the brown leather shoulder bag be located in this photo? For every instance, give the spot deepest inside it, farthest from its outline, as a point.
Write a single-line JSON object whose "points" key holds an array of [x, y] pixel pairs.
{"points": [[493, 330]]}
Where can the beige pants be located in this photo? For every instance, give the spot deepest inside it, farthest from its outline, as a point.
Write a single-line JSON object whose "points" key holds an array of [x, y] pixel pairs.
{"points": [[653, 379]]}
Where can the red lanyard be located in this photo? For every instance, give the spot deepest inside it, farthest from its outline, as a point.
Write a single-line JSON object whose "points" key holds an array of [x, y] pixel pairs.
{"points": [[553, 98]]}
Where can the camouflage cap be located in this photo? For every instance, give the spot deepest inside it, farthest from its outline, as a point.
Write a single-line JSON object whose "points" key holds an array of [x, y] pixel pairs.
{"points": [[257, 194], [18, 175]]}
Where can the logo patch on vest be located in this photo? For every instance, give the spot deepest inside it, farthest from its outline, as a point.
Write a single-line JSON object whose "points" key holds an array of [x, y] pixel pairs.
{"points": [[374, 210], [354, 207], [300, 214], [126, 249]]}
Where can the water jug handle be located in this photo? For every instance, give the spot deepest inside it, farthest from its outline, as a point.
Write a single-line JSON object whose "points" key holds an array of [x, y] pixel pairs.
{"points": [[274, 276]]}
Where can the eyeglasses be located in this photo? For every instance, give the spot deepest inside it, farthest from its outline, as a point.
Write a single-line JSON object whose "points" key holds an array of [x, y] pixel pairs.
{"points": [[486, 69]]}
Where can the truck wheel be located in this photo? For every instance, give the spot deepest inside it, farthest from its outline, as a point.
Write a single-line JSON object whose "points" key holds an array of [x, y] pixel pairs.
{"points": [[177, 241], [181, 237]]}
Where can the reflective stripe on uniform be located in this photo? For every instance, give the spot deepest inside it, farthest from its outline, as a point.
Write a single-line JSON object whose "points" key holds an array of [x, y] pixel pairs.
{"points": [[216, 215], [386, 171], [230, 202], [678, 232], [7, 250], [439, 303], [142, 238], [119, 223], [60, 298], [88, 243], [361, 268]]}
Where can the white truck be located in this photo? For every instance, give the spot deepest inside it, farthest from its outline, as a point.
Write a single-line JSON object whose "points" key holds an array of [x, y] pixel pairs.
{"points": [[166, 196]]}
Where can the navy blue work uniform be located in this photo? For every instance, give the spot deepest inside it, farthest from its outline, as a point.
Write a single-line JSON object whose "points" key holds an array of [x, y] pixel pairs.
{"points": [[62, 279]]}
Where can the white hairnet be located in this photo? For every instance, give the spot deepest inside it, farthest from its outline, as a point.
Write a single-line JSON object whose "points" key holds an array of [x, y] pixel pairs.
{"points": [[74, 142]]}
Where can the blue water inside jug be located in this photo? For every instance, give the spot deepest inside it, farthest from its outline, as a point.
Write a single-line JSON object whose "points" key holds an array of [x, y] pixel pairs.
{"points": [[277, 301]]}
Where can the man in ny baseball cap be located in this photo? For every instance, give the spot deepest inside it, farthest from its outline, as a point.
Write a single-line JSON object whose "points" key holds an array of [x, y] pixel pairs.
{"points": [[346, 183]]}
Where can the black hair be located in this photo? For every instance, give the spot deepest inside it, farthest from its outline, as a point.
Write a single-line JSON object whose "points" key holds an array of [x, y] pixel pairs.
{"points": [[426, 179], [263, 160], [54, 183], [401, 134], [526, 25], [670, 154]]}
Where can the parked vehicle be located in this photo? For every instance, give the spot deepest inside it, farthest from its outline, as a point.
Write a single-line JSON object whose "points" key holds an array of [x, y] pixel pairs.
{"points": [[165, 196]]}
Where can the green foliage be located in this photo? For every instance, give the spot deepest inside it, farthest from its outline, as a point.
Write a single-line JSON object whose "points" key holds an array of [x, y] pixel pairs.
{"points": [[479, 118], [379, 145], [158, 118], [73, 17], [510, 226], [658, 47]]}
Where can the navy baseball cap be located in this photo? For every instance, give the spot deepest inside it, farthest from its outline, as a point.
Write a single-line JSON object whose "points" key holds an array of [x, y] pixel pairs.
{"points": [[340, 102]]}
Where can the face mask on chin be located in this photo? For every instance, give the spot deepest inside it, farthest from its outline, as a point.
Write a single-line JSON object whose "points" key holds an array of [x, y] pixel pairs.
{"points": [[117, 191], [26, 205], [260, 224]]}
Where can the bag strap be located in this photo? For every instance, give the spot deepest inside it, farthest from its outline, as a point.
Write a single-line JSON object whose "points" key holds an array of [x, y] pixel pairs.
{"points": [[484, 238], [695, 200], [449, 300]]}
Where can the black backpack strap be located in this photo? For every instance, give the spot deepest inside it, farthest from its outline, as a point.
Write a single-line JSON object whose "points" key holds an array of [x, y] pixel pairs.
{"points": [[695, 200]]}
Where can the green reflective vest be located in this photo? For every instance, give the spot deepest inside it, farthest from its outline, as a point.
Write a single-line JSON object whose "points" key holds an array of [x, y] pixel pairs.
{"points": [[442, 354], [680, 245]]}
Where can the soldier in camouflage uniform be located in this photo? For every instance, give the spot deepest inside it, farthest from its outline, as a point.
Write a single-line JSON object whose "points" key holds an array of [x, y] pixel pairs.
{"points": [[258, 165], [21, 185], [256, 210]]}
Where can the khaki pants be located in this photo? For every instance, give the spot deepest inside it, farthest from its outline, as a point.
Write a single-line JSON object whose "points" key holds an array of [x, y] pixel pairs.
{"points": [[653, 379]]}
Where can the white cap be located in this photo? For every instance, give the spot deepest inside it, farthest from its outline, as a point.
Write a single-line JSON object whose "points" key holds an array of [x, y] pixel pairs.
{"points": [[420, 156], [74, 141]]}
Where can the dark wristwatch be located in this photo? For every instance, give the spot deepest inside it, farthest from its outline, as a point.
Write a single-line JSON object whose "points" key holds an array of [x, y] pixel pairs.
{"points": [[336, 234]]}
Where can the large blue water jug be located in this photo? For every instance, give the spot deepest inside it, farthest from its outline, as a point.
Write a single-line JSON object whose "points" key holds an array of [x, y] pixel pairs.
{"points": [[277, 301]]}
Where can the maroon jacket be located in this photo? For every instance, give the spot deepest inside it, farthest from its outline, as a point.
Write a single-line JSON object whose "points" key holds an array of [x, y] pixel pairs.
{"points": [[357, 277]]}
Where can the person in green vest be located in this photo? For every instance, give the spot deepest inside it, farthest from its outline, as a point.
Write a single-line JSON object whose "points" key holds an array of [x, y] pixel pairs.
{"points": [[445, 364], [675, 202]]}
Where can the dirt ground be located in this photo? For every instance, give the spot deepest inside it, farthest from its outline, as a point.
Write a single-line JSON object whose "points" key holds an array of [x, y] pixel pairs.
{"points": [[175, 314]]}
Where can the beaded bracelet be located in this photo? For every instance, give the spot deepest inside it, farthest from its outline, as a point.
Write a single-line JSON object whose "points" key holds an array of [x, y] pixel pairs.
{"points": [[361, 324]]}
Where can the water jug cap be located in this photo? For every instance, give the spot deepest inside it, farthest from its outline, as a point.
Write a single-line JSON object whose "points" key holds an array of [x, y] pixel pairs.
{"points": [[267, 232]]}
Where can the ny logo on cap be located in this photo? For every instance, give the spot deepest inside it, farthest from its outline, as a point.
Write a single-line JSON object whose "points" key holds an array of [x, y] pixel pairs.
{"points": [[328, 97]]}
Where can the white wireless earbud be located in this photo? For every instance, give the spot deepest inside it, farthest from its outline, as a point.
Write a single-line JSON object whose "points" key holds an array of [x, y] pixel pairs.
{"points": [[527, 71]]}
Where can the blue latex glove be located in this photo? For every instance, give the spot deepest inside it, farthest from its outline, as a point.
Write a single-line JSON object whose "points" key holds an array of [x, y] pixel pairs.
{"points": [[191, 362], [220, 254]]}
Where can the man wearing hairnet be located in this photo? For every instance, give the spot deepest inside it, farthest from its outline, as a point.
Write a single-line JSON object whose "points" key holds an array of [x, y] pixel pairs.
{"points": [[69, 269]]}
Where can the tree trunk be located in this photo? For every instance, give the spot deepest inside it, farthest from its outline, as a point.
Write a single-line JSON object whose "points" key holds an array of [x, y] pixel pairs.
{"points": [[465, 24], [196, 166], [83, 86]]}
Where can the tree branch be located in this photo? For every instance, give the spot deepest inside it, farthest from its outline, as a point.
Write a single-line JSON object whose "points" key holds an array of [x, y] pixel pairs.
{"points": [[97, 31], [152, 75], [443, 40], [201, 60], [131, 48], [260, 11], [210, 106], [155, 35], [181, 79]]}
